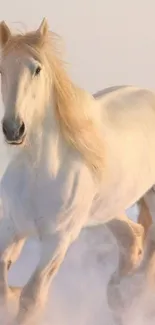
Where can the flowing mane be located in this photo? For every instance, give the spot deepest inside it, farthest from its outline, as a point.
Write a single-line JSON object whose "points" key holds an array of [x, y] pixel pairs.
{"points": [[73, 106]]}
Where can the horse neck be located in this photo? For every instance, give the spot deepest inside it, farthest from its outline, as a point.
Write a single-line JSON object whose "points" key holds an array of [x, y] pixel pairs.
{"points": [[46, 146]]}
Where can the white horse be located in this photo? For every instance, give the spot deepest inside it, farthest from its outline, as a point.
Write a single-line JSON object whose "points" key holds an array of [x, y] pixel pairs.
{"points": [[80, 161]]}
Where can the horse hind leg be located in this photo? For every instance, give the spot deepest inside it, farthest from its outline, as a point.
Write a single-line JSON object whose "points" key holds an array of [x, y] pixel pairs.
{"points": [[34, 294], [147, 266], [129, 237], [144, 217]]}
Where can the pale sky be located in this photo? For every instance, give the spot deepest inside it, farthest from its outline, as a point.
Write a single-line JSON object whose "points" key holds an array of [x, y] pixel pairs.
{"points": [[108, 42]]}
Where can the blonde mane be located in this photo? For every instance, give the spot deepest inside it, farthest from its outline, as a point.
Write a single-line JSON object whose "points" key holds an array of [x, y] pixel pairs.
{"points": [[73, 106]]}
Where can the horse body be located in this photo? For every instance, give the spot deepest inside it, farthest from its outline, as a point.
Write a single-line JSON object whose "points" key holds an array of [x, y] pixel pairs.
{"points": [[74, 152], [129, 134], [128, 116]]}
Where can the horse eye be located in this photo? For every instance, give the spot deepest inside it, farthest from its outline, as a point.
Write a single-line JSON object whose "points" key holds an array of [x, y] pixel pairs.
{"points": [[37, 71]]}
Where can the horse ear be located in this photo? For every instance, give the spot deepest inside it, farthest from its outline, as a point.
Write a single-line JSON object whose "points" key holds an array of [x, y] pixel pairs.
{"points": [[5, 33], [43, 28]]}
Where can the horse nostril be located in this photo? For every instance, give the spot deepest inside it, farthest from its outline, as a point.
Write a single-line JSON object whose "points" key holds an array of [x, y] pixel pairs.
{"points": [[22, 129], [4, 129], [13, 130]]}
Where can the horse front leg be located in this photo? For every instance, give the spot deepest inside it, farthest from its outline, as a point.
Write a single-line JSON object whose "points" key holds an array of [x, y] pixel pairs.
{"points": [[55, 243], [15, 251], [34, 294], [8, 241]]}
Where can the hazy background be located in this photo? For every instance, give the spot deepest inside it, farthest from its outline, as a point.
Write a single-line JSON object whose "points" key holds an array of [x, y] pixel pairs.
{"points": [[108, 42]]}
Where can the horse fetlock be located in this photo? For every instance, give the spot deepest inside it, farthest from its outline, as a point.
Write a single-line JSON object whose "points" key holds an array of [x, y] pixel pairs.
{"points": [[128, 261]]}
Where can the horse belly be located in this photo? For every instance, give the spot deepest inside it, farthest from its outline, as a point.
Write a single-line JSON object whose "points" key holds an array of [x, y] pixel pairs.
{"points": [[129, 175]]}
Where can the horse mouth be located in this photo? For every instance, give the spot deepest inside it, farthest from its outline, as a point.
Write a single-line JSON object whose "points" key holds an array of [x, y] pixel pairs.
{"points": [[16, 142]]}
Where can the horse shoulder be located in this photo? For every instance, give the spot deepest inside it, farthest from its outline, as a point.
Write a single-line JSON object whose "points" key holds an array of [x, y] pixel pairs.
{"points": [[79, 192]]}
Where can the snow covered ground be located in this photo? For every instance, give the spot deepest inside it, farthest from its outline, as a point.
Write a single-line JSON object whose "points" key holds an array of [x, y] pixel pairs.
{"points": [[78, 293]]}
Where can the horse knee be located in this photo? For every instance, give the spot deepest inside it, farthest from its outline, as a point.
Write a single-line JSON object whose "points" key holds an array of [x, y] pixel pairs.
{"points": [[130, 255], [17, 248], [136, 250], [150, 244], [9, 263], [128, 262]]}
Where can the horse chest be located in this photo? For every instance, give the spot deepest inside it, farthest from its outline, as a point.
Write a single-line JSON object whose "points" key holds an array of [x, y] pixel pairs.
{"points": [[34, 199]]}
